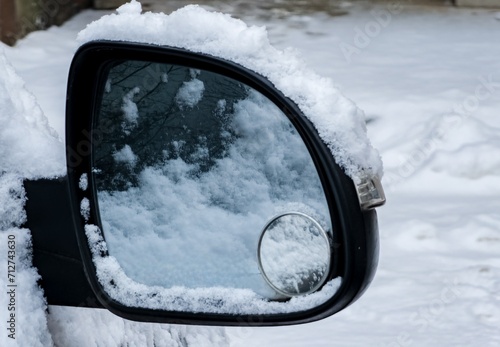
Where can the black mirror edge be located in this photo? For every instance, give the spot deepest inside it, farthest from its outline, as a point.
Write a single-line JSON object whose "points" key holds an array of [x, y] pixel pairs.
{"points": [[355, 252]]}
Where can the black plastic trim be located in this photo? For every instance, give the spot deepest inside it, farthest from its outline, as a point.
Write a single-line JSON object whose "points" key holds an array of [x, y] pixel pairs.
{"points": [[356, 237], [56, 254]]}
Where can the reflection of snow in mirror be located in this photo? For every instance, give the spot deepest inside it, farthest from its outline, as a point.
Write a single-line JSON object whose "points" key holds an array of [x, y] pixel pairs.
{"points": [[182, 222], [129, 109], [191, 92], [125, 155], [125, 290]]}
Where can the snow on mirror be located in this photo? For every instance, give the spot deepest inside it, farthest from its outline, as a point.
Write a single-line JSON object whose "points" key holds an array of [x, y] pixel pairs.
{"points": [[193, 166]]}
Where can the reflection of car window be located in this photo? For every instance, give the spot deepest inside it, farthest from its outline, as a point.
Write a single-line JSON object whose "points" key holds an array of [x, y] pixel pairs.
{"points": [[157, 112]]}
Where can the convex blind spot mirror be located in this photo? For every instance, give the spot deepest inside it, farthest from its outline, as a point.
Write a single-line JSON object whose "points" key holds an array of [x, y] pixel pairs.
{"points": [[204, 195], [294, 254]]}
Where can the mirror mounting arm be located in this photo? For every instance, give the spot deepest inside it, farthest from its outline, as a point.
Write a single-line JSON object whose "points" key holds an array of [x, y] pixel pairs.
{"points": [[56, 254]]}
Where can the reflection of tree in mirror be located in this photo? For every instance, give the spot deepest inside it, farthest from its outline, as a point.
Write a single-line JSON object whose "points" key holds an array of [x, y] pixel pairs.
{"points": [[157, 112]]}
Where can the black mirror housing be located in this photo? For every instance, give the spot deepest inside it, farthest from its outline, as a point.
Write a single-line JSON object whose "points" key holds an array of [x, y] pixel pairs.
{"points": [[354, 244]]}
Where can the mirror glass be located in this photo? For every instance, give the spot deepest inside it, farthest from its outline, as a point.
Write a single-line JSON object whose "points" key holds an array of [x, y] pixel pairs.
{"points": [[294, 254], [189, 166]]}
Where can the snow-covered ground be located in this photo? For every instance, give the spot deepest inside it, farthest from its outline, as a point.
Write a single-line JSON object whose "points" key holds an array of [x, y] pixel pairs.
{"points": [[428, 79]]}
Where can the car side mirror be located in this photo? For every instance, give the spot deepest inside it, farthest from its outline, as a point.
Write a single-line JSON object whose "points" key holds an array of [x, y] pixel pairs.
{"points": [[202, 195]]}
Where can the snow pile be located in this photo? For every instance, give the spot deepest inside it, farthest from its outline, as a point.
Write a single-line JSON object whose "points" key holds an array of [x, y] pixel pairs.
{"points": [[24, 319], [29, 148], [340, 123]]}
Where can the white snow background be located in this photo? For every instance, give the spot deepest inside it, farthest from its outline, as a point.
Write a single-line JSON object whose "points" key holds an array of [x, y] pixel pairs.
{"points": [[428, 80]]}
